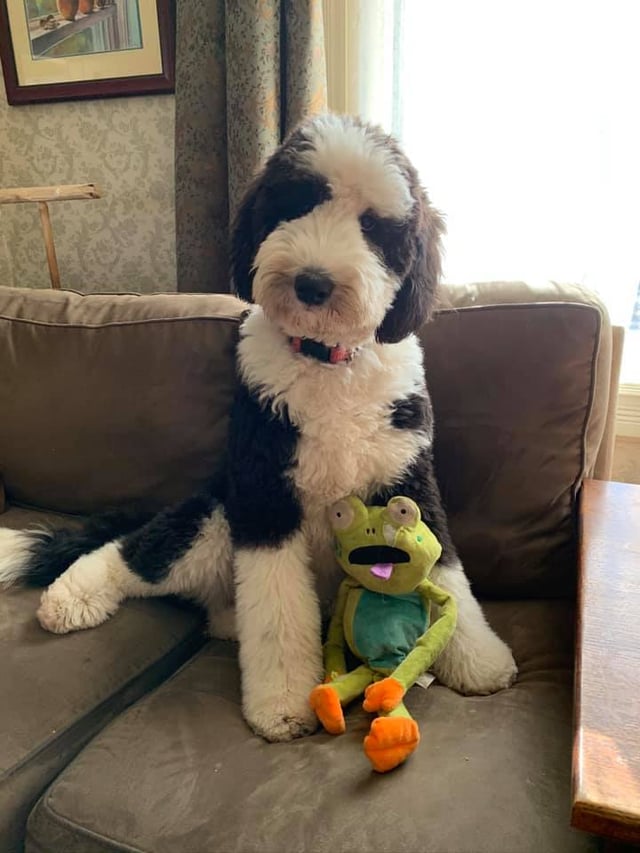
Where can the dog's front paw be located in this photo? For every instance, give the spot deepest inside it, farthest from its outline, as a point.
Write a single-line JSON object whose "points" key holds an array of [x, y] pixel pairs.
{"points": [[477, 669], [84, 596], [280, 721], [62, 611]]}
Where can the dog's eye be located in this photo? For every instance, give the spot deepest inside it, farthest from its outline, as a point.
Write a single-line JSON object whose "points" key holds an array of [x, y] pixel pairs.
{"points": [[367, 222]]}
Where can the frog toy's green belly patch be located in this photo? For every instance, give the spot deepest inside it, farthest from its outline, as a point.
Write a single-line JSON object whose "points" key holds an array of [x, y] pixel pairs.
{"points": [[381, 630]]}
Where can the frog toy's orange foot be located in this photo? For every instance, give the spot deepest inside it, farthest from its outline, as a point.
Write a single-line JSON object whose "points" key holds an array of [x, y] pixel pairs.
{"points": [[324, 700], [390, 741]]}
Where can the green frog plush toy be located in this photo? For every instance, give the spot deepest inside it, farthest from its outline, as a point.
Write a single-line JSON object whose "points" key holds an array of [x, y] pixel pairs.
{"points": [[383, 610]]}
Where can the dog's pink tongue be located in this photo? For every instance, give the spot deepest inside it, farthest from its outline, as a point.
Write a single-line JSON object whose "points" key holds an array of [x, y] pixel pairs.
{"points": [[382, 570]]}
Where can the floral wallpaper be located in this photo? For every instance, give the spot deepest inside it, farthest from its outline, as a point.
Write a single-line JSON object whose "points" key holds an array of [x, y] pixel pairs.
{"points": [[123, 241]]}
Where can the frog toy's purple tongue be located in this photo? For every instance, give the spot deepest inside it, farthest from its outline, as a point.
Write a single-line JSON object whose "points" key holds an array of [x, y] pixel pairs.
{"points": [[382, 570]]}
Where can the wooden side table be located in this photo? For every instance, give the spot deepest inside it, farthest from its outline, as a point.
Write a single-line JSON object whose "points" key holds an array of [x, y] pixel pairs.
{"points": [[41, 196], [606, 752]]}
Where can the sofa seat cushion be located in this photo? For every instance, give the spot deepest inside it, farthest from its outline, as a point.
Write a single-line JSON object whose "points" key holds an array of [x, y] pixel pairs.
{"points": [[58, 691], [181, 772]]}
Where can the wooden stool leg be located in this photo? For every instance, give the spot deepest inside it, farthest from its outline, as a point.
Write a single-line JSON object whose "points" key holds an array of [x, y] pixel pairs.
{"points": [[47, 233]]}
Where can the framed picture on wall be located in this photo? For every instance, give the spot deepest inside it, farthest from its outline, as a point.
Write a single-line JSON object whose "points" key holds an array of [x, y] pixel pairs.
{"points": [[56, 50]]}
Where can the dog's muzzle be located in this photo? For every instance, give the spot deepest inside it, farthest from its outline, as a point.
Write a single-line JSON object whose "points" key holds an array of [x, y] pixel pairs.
{"points": [[313, 287]]}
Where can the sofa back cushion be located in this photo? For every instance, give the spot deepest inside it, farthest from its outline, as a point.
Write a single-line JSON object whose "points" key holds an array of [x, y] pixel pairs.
{"points": [[519, 397], [107, 400]]}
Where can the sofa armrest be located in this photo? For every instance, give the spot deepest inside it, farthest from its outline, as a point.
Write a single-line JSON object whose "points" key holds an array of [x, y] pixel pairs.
{"points": [[606, 752]]}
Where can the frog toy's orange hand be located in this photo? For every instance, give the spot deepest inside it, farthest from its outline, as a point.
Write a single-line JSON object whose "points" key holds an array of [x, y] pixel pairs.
{"points": [[384, 695]]}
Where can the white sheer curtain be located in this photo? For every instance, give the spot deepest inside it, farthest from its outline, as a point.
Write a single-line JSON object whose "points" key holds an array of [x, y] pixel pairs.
{"points": [[524, 121]]}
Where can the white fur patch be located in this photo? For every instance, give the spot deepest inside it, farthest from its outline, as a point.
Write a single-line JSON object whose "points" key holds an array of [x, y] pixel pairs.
{"points": [[279, 630], [14, 554], [360, 170], [88, 592]]}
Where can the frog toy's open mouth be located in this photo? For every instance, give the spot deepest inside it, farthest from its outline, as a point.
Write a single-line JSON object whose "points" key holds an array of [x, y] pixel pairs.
{"points": [[381, 558]]}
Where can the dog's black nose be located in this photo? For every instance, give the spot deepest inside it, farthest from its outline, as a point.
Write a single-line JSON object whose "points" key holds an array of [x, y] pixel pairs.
{"points": [[313, 288]]}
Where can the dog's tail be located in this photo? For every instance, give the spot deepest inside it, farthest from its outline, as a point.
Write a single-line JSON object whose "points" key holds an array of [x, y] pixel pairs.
{"points": [[36, 557]]}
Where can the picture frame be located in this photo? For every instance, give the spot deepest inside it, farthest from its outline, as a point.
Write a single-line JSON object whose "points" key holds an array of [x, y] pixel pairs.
{"points": [[57, 50]]}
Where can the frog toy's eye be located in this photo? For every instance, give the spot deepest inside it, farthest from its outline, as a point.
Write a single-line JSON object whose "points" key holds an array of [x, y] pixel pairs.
{"points": [[341, 515], [403, 512]]}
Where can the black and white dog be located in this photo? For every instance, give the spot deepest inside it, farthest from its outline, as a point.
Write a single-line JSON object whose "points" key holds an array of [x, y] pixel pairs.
{"points": [[338, 247]]}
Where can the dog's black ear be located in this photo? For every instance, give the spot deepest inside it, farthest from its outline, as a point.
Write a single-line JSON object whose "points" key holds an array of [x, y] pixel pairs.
{"points": [[414, 301], [245, 240]]}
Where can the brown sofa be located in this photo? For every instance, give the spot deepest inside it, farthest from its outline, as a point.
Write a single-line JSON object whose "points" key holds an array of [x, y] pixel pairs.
{"points": [[129, 737]]}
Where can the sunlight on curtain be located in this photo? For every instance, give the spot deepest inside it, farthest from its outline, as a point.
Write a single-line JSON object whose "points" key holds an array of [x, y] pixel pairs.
{"points": [[524, 122]]}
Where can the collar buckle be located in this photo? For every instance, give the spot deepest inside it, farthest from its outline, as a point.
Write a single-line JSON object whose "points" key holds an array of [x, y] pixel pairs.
{"points": [[321, 352]]}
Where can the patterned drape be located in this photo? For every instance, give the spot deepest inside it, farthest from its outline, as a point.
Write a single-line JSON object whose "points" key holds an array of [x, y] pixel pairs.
{"points": [[246, 72]]}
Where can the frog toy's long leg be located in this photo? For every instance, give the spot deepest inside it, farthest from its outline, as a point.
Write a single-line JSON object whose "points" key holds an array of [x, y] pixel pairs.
{"points": [[394, 734], [327, 699], [340, 686], [392, 738]]}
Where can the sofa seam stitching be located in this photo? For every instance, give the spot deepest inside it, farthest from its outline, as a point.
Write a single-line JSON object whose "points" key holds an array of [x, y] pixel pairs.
{"points": [[144, 321], [510, 306]]}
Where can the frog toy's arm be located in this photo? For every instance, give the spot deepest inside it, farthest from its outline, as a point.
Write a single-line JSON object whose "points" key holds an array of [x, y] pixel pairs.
{"points": [[434, 639], [387, 694], [333, 649]]}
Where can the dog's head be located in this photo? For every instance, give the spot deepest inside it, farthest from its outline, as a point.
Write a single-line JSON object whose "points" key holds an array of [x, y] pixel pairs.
{"points": [[336, 239]]}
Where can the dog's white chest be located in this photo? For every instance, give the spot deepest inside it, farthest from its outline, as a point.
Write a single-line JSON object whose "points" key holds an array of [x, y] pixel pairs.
{"points": [[347, 442], [345, 449]]}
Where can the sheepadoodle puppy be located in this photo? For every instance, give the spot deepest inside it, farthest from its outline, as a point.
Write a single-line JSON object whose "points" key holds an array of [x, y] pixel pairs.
{"points": [[338, 248]]}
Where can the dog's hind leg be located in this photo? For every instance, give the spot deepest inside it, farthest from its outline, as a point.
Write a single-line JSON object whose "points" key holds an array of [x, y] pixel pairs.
{"points": [[184, 550], [475, 661]]}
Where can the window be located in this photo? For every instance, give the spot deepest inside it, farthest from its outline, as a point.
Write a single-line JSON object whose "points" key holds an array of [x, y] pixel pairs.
{"points": [[522, 119]]}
